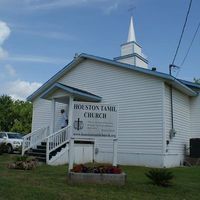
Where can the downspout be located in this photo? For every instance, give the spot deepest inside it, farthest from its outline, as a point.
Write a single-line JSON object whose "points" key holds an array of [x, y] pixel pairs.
{"points": [[172, 106], [172, 132]]}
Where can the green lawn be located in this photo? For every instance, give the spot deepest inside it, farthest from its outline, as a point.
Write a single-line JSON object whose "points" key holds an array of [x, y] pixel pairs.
{"points": [[46, 183]]}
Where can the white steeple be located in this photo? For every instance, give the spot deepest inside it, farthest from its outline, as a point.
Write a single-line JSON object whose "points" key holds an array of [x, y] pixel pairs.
{"points": [[131, 33], [131, 51]]}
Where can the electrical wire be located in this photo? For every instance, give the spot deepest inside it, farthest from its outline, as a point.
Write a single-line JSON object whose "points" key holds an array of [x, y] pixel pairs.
{"points": [[183, 30], [189, 48], [172, 65], [194, 36]]}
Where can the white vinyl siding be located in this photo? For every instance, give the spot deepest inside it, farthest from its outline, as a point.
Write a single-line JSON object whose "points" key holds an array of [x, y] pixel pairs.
{"points": [[42, 114], [181, 106], [195, 117], [139, 96]]}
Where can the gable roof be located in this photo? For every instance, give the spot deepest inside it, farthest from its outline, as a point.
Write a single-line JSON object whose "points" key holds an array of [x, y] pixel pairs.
{"points": [[71, 90], [169, 79]]}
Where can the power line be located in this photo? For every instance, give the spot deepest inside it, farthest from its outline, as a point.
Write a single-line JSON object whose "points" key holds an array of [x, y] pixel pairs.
{"points": [[183, 30], [194, 36], [172, 66], [190, 46]]}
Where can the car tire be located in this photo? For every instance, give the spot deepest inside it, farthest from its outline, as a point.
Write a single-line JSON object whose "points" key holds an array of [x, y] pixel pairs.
{"points": [[10, 149]]}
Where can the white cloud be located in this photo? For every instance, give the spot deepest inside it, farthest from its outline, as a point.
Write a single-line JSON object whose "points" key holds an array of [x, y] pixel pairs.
{"points": [[3, 53], [4, 34], [20, 89], [10, 70], [46, 34], [111, 8], [37, 59], [49, 4]]}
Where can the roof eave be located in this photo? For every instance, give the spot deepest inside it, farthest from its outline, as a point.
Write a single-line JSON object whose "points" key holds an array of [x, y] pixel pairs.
{"points": [[83, 56], [190, 84], [73, 92], [54, 78], [185, 89]]}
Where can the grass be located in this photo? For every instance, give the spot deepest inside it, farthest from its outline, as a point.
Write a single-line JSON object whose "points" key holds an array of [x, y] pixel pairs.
{"points": [[50, 183]]}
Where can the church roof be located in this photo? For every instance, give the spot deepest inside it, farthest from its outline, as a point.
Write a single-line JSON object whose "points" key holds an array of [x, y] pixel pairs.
{"points": [[190, 84], [70, 90], [169, 79]]}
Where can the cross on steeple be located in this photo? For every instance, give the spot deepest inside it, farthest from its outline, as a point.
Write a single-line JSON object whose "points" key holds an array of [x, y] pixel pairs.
{"points": [[131, 33], [131, 9]]}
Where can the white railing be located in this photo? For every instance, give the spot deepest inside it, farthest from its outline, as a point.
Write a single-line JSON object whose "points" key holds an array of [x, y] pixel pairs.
{"points": [[33, 139], [56, 140]]}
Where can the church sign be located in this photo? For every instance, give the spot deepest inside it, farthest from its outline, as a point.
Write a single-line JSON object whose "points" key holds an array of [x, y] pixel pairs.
{"points": [[94, 120]]}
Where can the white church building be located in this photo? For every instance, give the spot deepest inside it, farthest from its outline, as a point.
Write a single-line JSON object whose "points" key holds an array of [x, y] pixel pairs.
{"points": [[157, 116]]}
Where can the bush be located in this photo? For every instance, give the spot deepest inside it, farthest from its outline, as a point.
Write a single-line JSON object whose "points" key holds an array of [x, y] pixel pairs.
{"points": [[22, 158], [160, 177], [24, 163], [3, 148]]}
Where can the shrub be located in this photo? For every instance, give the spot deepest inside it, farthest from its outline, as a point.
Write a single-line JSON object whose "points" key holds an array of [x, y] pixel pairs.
{"points": [[24, 163], [3, 148], [22, 158], [160, 177]]}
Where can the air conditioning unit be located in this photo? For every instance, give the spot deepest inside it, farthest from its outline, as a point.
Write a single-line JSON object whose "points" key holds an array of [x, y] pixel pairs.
{"points": [[195, 147]]}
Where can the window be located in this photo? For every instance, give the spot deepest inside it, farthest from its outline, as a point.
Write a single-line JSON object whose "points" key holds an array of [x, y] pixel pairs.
{"points": [[14, 136], [2, 135]]}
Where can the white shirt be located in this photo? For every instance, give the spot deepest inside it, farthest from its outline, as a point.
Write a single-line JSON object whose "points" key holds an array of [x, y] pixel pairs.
{"points": [[63, 120]]}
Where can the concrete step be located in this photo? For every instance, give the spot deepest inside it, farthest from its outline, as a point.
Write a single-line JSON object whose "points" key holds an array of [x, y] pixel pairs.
{"points": [[191, 161]]}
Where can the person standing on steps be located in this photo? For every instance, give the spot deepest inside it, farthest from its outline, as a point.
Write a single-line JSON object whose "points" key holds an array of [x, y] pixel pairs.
{"points": [[64, 121]]}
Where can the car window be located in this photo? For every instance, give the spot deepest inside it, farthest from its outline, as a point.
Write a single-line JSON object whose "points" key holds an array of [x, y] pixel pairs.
{"points": [[2, 135], [14, 136]]}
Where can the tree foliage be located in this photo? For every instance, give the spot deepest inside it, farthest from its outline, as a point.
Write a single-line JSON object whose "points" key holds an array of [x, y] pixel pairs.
{"points": [[197, 80], [15, 116]]}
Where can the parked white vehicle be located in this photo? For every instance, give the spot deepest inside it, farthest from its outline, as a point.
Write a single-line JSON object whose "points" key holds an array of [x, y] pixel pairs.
{"points": [[13, 140]]}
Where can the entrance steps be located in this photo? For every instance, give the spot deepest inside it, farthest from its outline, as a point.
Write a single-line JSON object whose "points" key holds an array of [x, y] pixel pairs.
{"points": [[189, 161], [39, 152], [46, 147]]}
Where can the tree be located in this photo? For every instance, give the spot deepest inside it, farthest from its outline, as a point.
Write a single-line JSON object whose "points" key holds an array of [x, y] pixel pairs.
{"points": [[23, 116], [197, 80], [15, 116], [6, 114]]}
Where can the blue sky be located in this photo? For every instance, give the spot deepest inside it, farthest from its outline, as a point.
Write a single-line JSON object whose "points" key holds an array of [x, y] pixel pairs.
{"points": [[39, 37]]}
